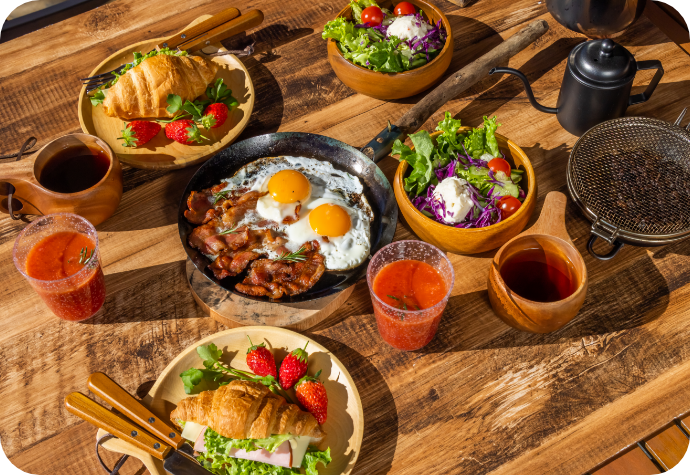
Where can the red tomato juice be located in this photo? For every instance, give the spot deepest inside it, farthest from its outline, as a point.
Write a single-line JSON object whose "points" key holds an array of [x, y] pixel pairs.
{"points": [[414, 286], [57, 257]]}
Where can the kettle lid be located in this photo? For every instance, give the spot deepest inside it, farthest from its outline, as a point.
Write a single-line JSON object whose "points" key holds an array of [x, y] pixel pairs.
{"points": [[602, 63]]}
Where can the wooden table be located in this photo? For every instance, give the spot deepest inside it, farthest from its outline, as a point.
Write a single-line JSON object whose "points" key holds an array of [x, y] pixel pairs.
{"points": [[481, 397]]}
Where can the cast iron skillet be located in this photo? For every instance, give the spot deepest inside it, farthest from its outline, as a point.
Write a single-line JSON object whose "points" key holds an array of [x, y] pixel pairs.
{"points": [[377, 190]]}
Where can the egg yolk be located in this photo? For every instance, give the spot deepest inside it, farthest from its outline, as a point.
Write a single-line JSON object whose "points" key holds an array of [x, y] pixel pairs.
{"points": [[329, 220], [289, 186]]}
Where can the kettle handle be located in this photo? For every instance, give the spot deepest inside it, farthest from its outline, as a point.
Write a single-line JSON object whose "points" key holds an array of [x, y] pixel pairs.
{"points": [[653, 64]]}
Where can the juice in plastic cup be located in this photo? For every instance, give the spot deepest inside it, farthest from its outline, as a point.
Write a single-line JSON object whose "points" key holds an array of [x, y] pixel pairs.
{"points": [[58, 254], [409, 283]]}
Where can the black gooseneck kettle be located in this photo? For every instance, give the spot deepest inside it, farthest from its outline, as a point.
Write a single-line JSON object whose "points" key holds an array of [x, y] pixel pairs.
{"points": [[596, 85]]}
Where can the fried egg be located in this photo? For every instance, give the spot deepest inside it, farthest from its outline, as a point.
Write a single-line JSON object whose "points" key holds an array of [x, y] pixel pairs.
{"points": [[326, 205]]}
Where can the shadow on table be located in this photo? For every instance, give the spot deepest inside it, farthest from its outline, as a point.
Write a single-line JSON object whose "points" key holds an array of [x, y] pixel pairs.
{"points": [[475, 39], [147, 294], [380, 414], [540, 64], [631, 297]]}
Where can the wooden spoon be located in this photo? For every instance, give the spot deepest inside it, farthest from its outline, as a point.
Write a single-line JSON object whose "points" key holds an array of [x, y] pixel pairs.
{"points": [[550, 237]]}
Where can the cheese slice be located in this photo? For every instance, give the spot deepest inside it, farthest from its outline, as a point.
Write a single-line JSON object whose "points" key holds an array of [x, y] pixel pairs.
{"points": [[192, 430], [299, 444]]}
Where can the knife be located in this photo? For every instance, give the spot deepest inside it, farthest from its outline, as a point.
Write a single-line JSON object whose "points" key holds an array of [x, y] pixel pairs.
{"points": [[175, 462]]}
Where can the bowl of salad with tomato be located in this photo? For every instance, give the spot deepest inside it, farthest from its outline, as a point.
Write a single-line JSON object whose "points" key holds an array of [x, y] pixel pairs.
{"points": [[389, 50], [465, 190]]}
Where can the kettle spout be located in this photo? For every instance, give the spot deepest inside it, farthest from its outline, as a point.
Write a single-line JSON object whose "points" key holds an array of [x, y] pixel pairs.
{"points": [[528, 89]]}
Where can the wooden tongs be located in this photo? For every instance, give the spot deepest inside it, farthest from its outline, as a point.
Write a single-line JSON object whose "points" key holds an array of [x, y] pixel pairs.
{"points": [[225, 24], [150, 434]]}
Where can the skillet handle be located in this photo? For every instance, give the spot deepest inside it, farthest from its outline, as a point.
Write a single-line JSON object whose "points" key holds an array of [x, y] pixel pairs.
{"points": [[470, 75]]}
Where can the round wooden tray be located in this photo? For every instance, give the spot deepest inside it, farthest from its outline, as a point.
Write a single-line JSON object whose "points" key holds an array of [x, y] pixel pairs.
{"points": [[161, 152], [234, 311], [345, 423]]}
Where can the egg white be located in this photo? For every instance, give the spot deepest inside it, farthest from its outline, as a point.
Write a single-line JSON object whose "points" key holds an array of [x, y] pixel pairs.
{"points": [[342, 252], [328, 185]]}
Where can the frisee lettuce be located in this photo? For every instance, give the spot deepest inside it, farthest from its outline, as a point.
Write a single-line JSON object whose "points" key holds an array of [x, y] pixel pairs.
{"points": [[217, 460]]}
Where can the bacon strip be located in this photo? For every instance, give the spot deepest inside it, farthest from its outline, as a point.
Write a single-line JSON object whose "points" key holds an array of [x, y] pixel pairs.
{"points": [[277, 278]]}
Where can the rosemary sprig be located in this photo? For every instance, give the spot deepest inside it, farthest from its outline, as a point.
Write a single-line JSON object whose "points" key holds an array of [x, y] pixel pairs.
{"points": [[297, 256], [83, 253], [229, 231], [221, 195], [402, 305]]}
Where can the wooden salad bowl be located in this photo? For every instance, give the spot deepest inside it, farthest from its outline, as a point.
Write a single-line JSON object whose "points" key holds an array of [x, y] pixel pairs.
{"points": [[474, 240], [388, 86], [344, 425]]}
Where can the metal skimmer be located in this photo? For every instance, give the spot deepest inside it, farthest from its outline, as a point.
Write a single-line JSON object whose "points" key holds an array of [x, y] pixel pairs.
{"points": [[631, 178]]}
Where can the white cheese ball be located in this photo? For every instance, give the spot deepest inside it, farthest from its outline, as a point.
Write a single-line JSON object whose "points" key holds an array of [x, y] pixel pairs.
{"points": [[406, 28], [456, 198]]}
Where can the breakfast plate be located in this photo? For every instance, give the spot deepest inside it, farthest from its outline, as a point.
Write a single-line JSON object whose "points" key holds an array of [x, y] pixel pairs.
{"points": [[161, 152], [344, 425]]}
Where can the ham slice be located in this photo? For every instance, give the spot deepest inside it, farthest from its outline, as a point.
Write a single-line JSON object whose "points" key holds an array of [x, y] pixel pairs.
{"points": [[199, 443], [282, 457]]}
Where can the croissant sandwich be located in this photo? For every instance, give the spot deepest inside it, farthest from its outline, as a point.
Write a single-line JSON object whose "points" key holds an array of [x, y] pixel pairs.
{"points": [[243, 425], [142, 91]]}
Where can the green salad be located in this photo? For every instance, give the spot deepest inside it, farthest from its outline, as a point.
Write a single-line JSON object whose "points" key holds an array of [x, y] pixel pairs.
{"points": [[386, 41], [461, 179]]}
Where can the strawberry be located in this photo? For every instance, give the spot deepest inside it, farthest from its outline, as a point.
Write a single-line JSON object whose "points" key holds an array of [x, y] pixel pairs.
{"points": [[183, 131], [293, 367], [312, 395], [138, 132], [260, 360], [215, 115]]}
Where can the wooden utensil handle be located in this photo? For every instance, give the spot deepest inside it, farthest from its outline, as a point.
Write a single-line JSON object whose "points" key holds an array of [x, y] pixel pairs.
{"points": [[469, 75], [245, 22], [193, 31], [108, 390], [83, 407]]}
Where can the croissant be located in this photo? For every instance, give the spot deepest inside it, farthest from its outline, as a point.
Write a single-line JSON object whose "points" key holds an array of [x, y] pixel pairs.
{"points": [[246, 410], [143, 91]]}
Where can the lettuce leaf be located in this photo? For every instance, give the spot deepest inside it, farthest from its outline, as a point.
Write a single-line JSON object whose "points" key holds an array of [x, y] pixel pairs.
{"points": [[491, 144], [358, 6], [420, 159], [216, 443], [312, 457], [217, 460]]}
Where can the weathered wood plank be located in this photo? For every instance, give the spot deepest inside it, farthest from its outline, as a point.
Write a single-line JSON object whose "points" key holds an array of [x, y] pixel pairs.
{"points": [[510, 402], [633, 462], [669, 447]]}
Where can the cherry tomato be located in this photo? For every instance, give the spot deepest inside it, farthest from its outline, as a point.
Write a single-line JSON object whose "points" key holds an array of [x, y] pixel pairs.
{"points": [[508, 206], [499, 165], [372, 15], [404, 8]]}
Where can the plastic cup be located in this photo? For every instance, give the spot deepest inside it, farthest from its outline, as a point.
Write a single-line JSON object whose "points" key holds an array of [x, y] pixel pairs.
{"points": [[409, 329], [75, 297]]}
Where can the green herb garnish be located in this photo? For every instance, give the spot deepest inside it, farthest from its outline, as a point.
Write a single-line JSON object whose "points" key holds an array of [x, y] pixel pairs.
{"points": [[83, 259], [221, 195], [297, 256], [229, 231], [215, 371]]}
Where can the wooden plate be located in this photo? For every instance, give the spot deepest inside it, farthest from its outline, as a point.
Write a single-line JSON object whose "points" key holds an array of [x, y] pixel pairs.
{"points": [[345, 423], [161, 152]]}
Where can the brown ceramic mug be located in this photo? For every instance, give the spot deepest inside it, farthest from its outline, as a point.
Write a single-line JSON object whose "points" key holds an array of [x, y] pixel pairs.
{"points": [[76, 173]]}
